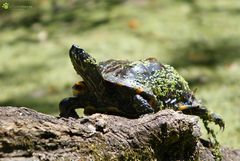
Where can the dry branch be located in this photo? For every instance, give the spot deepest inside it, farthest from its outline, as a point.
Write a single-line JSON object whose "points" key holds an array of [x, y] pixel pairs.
{"points": [[167, 135]]}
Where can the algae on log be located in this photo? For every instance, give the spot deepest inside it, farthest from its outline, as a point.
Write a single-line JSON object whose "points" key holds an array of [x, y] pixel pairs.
{"points": [[167, 135]]}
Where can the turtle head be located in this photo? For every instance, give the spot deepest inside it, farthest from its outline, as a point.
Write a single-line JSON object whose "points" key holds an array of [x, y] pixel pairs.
{"points": [[80, 59], [86, 67]]}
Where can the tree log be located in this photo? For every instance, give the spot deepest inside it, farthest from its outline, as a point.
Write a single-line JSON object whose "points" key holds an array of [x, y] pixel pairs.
{"points": [[167, 135]]}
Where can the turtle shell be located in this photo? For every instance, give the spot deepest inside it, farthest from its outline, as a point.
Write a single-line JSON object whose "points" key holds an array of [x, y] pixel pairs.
{"points": [[130, 74], [148, 78]]}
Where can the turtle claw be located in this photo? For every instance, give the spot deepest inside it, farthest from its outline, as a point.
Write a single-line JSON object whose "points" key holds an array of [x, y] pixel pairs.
{"points": [[218, 121]]}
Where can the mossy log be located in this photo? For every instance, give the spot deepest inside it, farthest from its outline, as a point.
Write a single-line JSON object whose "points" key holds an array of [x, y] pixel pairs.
{"points": [[167, 135]]}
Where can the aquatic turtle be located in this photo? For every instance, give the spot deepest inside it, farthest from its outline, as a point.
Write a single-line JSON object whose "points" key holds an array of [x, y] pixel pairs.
{"points": [[130, 89]]}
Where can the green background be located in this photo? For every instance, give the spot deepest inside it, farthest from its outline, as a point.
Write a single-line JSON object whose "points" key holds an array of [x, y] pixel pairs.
{"points": [[200, 38]]}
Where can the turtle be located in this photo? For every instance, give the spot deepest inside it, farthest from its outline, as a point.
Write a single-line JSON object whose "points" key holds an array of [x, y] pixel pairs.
{"points": [[130, 89]]}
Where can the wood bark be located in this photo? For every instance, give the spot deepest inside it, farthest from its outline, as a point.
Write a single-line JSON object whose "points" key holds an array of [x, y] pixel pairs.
{"points": [[167, 135]]}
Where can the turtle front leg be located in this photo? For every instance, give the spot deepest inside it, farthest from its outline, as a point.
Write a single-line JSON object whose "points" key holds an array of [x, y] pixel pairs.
{"points": [[83, 100], [141, 105], [67, 107]]}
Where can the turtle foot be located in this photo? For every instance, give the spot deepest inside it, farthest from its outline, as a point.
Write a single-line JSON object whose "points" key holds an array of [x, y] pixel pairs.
{"points": [[68, 114], [218, 121], [66, 108]]}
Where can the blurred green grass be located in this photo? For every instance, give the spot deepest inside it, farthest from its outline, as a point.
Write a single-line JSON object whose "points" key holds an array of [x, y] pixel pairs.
{"points": [[200, 38]]}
